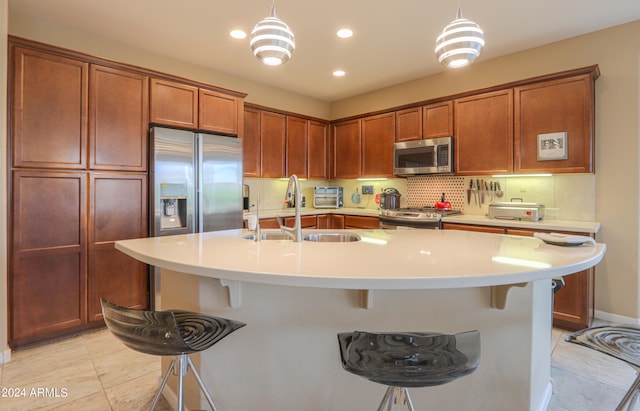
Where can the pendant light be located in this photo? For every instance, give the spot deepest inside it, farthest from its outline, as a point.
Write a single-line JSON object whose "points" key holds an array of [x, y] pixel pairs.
{"points": [[272, 41], [459, 43]]}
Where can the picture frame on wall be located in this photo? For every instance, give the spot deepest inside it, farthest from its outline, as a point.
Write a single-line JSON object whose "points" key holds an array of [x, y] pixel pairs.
{"points": [[552, 146]]}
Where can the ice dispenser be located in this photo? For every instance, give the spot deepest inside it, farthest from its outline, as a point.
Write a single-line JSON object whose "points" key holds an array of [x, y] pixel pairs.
{"points": [[173, 206]]}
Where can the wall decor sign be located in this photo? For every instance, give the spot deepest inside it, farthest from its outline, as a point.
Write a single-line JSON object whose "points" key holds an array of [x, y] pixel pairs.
{"points": [[552, 146]]}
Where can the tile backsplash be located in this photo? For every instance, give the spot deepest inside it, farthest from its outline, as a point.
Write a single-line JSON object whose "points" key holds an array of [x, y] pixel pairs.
{"points": [[565, 197]]}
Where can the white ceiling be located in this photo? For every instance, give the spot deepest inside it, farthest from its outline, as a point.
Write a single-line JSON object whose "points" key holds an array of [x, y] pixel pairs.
{"points": [[393, 40]]}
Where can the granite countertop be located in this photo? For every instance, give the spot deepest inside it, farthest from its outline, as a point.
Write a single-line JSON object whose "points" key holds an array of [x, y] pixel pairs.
{"points": [[383, 259]]}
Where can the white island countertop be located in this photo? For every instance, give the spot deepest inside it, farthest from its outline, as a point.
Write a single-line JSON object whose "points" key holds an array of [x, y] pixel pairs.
{"points": [[383, 259]]}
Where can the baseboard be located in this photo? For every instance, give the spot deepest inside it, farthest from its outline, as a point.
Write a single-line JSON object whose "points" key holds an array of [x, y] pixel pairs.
{"points": [[605, 317], [5, 356], [546, 397]]}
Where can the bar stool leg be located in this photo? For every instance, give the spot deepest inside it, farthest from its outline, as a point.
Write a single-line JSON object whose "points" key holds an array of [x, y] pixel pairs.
{"points": [[396, 395], [162, 385], [630, 397], [183, 371], [387, 400], [202, 387]]}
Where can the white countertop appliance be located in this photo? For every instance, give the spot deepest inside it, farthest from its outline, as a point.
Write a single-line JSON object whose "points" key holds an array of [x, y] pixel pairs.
{"points": [[328, 197], [514, 210]]}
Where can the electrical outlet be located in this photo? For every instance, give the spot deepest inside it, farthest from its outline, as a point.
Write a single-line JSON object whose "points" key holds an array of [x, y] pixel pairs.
{"points": [[367, 189]]}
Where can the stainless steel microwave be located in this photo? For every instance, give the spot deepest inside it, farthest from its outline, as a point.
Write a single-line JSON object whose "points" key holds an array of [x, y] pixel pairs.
{"points": [[429, 156]]}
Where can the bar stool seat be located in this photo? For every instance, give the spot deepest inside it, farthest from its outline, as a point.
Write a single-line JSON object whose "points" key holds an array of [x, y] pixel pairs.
{"points": [[402, 360], [168, 333], [619, 341]]}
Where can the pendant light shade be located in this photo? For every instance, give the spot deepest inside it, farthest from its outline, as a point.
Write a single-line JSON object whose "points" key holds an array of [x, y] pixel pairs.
{"points": [[460, 43], [272, 41]]}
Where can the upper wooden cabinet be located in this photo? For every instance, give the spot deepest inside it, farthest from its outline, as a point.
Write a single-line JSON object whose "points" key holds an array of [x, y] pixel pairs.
{"points": [[173, 104], [297, 146], [181, 105], [346, 149], [48, 106], [318, 150], [272, 144], [437, 120], [118, 119], [219, 112], [564, 105], [378, 136], [251, 143], [483, 140], [409, 124]]}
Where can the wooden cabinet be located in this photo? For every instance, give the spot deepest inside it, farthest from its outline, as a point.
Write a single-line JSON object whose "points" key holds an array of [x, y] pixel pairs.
{"points": [[378, 137], [173, 104], [306, 221], [564, 105], [48, 106], [297, 146], [437, 120], [219, 112], [483, 142], [574, 303], [330, 221], [573, 306], [357, 221], [251, 143], [47, 276], [477, 228], [182, 105], [318, 150], [409, 124], [272, 144], [112, 274], [118, 119], [347, 149]]}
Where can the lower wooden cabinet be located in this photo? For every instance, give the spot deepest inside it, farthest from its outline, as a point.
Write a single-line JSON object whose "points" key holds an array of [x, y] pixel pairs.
{"points": [[358, 221], [574, 303], [62, 260]]}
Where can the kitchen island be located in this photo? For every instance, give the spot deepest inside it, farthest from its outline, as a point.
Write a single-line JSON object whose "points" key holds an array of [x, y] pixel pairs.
{"points": [[295, 298]]}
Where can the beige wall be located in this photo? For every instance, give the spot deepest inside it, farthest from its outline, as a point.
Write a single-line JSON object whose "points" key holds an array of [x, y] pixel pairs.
{"points": [[616, 50], [4, 26]]}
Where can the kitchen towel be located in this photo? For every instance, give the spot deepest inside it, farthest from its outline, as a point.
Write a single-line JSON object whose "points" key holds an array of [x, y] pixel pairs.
{"points": [[564, 239]]}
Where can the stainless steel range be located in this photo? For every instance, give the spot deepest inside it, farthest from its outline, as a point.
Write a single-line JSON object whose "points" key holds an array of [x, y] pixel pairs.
{"points": [[426, 217]]}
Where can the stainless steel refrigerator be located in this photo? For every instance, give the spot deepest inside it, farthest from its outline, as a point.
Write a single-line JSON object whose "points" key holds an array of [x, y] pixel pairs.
{"points": [[195, 182]]}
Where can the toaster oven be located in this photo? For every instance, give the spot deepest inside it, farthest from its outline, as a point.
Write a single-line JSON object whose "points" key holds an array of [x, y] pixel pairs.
{"points": [[328, 197]]}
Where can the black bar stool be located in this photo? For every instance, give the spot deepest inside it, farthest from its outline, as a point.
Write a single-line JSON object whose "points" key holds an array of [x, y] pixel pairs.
{"points": [[403, 360], [176, 333], [621, 342]]}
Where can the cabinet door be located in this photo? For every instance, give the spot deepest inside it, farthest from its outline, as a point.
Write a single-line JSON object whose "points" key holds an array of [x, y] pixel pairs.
{"points": [[306, 221], [573, 304], [118, 119], [565, 105], [409, 124], [323, 221], [219, 112], [337, 222], [483, 142], [437, 120], [118, 211], [476, 228], [173, 104], [48, 110], [251, 143], [357, 221], [272, 144], [346, 149], [47, 274], [297, 132], [318, 151], [378, 136]]}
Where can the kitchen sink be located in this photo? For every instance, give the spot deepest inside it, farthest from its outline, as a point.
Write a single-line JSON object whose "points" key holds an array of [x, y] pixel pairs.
{"points": [[267, 235], [332, 237]]}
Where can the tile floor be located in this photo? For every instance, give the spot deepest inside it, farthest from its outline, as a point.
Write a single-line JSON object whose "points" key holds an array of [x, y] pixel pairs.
{"points": [[94, 371]]}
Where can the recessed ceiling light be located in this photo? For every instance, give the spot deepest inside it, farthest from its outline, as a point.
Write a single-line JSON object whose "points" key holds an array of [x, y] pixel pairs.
{"points": [[238, 34], [339, 73], [345, 33]]}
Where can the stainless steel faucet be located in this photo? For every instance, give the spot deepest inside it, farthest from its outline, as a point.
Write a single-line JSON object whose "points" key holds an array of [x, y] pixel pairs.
{"points": [[296, 231]]}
